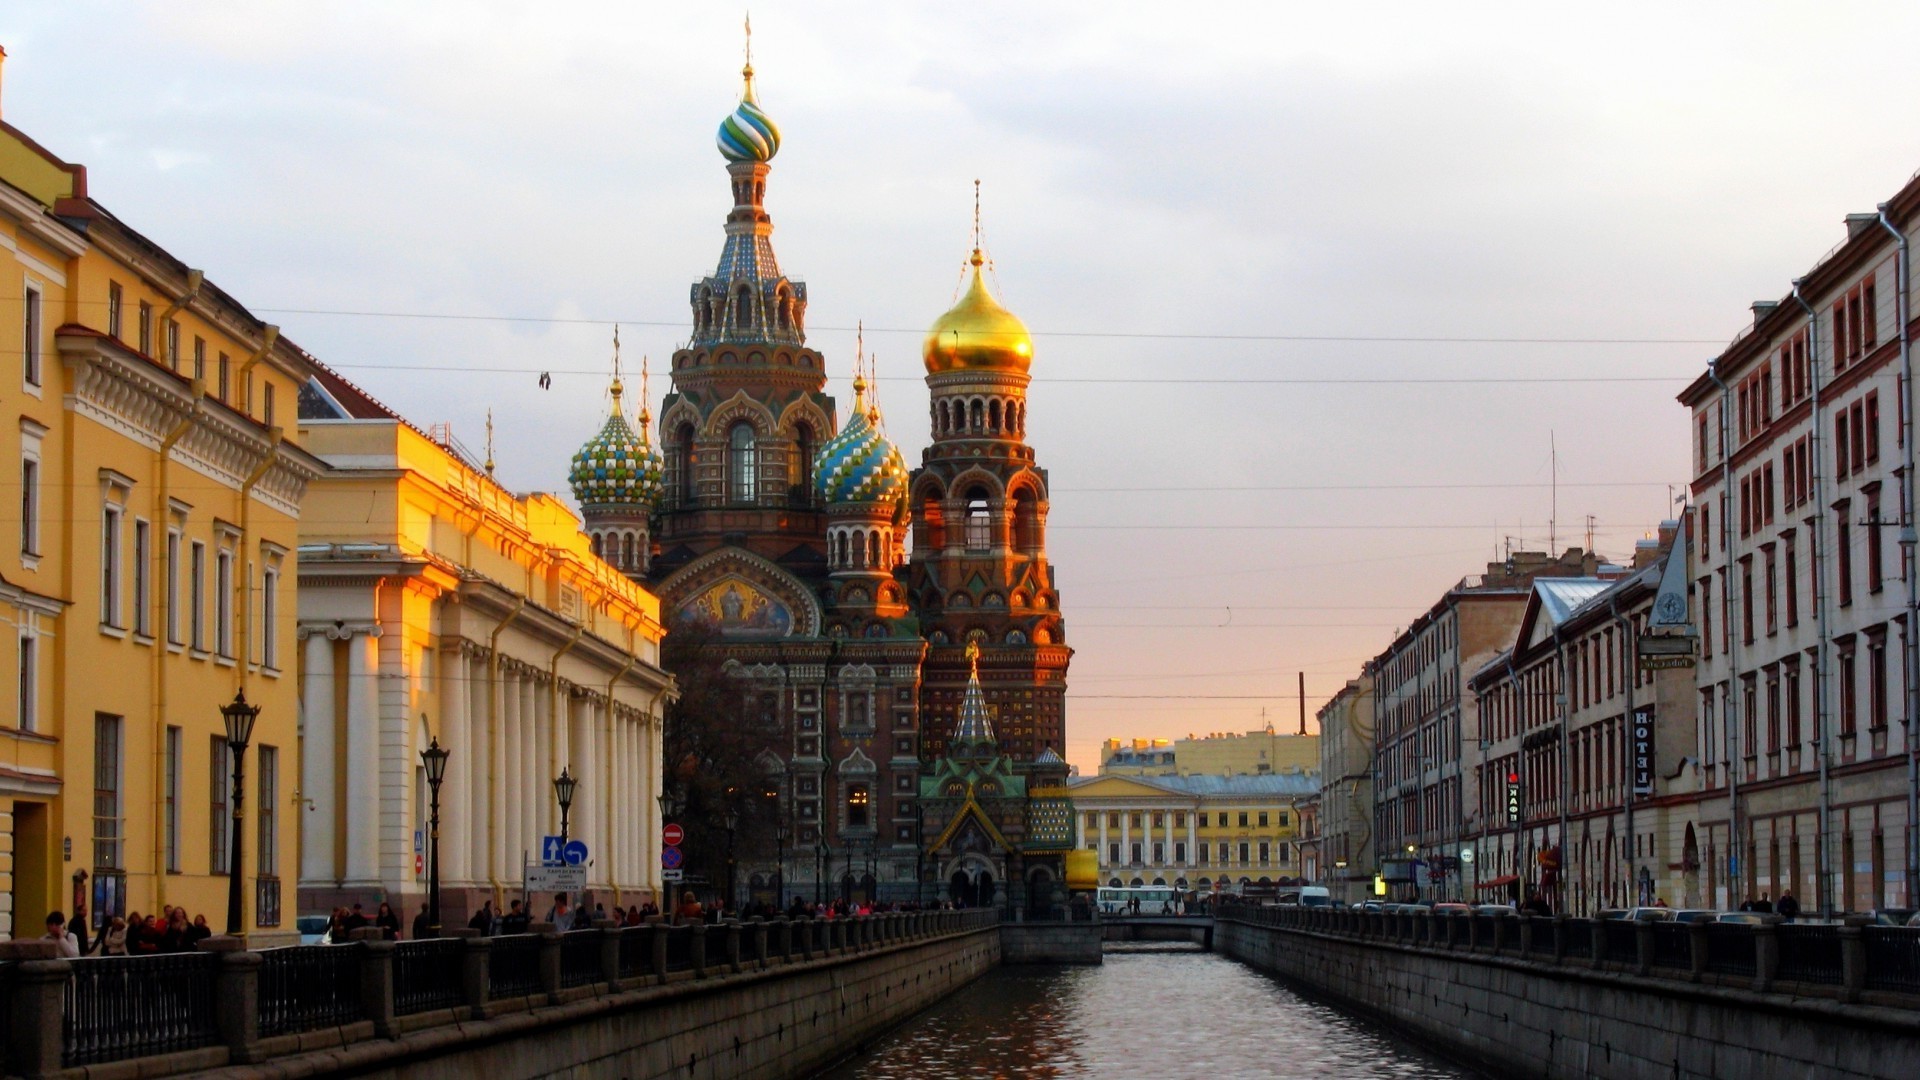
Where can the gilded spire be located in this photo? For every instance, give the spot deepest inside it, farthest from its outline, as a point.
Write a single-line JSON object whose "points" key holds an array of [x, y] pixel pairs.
{"points": [[976, 223], [974, 724], [646, 396], [617, 387], [746, 70], [489, 442], [859, 376]]}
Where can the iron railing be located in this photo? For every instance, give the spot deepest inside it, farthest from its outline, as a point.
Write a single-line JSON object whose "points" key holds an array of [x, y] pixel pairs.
{"points": [[428, 974], [1731, 950], [1672, 945], [1623, 941], [309, 986], [580, 958], [1810, 954], [266, 900], [636, 951], [1577, 939], [679, 948], [120, 1007], [1893, 958], [513, 966]]}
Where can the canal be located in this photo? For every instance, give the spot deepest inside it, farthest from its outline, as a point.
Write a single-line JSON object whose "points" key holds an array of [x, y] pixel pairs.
{"points": [[1146, 1012]]}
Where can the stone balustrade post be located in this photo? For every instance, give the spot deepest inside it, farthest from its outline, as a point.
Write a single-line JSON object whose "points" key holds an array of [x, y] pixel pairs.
{"points": [[803, 929], [757, 942], [699, 950], [732, 945], [376, 984], [36, 1009], [1697, 949], [1766, 953], [1596, 943], [836, 936], [549, 966], [609, 951], [1560, 938], [1853, 957], [783, 938], [476, 972], [1501, 933], [236, 995], [657, 932], [1642, 946], [1526, 935]]}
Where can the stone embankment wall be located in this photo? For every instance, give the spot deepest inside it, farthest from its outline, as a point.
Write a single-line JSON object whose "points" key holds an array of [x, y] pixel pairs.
{"points": [[1530, 1018], [1050, 943]]}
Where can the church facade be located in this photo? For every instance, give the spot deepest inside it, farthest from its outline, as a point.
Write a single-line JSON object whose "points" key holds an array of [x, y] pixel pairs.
{"points": [[867, 605]]}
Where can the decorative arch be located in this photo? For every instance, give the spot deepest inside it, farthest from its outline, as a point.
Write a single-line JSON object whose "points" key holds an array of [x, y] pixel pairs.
{"points": [[961, 486], [803, 410], [695, 579], [737, 409]]}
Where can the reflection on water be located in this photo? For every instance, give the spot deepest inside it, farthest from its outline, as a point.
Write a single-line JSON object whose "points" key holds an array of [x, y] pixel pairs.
{"points": [[1144, 1013]]}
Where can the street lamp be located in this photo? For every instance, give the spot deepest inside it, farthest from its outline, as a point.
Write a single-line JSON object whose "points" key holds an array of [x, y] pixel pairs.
{"points": [[563, 788], [669, 809], [434, 757], [239, 717], [732, 818], [822, 862], [772, 794]]}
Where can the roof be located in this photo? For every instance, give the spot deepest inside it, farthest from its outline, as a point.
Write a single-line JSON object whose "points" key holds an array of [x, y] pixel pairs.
{"points": [[1267, 784], [1561, 597]]}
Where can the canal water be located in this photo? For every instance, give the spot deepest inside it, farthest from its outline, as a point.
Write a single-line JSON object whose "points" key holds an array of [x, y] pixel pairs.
{"points": [[1148, 1012]]}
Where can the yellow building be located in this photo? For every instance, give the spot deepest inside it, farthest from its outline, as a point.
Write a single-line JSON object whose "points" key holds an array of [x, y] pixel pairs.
{"points": [[1196, 832], [1256, 753], [148, 568], [435, 604]]}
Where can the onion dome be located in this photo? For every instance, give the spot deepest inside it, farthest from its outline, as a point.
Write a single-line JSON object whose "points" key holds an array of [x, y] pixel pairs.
{"points": [[978, 334], [860, 464], [618, 467], [748, 133]]}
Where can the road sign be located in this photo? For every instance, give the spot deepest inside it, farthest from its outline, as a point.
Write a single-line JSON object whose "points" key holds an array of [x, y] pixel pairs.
{"points": [[416, 842], [567, 879], [672, 835], [419, 864], [671, 858], [671, 877], [575, 853], [552, 851]]}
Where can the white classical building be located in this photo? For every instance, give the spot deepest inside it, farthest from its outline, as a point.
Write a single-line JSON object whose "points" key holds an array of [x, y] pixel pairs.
{"points": [[435, 604]]}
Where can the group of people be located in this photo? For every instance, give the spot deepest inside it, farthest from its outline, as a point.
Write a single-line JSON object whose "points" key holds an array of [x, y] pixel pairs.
{"points": [[1786, 907], [130, 935]]}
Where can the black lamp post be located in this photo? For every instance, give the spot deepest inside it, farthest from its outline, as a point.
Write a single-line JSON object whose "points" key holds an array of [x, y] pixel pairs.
{"points": [[772, 794], [239, 717], [733, 822], [434, 757], [919, 854], [822, 860], [563, 788]]}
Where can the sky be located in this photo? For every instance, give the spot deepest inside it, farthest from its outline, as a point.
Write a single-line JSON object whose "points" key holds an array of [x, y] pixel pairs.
{"points": [[1320, 293]]}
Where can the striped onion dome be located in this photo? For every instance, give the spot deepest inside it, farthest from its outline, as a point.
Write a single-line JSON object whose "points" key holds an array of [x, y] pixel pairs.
{"points": [[619, 466], [748, 133], [860, 464]]}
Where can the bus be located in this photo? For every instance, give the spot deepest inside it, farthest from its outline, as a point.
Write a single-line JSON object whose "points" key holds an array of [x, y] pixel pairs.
{"points": [[1154, 899]]}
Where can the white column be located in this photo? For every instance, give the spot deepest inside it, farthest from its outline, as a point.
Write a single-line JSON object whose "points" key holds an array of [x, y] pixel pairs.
{"points": [[1126, 837], [1103, 860], [317, 723], [536, 781], [482, 730], [1193, 849], [1169, 842], [456, 737], [363, 758], [512, 775]]}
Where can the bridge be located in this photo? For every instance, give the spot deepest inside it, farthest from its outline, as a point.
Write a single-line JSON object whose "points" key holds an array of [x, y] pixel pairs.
{"points": [[1197, 929]]}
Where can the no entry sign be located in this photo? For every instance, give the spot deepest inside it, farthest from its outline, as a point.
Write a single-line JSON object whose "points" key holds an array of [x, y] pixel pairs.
{"points": [[672, 835]]}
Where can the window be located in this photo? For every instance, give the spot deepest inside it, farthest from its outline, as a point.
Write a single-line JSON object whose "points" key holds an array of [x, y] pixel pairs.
{"points": [[1180, 851], [223, 603], [200, 358], [106, 792], [1876, 686], [1223, 853], [1841, 465], [174, 766], [1202, 849], [29, 682], [142, 574], [1773, 592], [266, 405], [30, 506], [1874, 529], [30, 342], [1223, 823], [1843, 553], [113, 310], [146, 328], [270, 618], [110, 566], [266, 850], [1792, 694], [1245, 850], [859, 799], [1793, 582], [1870, 426], [173, 344], [172, 587], [197, 595], [226, 378], [741, 463], [979, 525], [1849, 710], [1263, 819], [220, 774], [1243, 819], [1266, 852]]}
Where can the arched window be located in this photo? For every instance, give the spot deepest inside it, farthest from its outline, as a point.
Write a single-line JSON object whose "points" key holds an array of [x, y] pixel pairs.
{"points": [[596, 546], [681, 459], [979, 525], [626, 555], [841, 547], [785, 311], [1026, 522], [873, 549], [993, 415], [979, 415], [742, 464], [742, 307]]}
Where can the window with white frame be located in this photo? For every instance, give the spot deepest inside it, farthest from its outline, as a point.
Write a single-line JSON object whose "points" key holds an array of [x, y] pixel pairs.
{"points": [[110, 565], [107, 763], [29, 681], [30, 435], [175, 747], [171, 587], [142, 577], [197, 595], [220, 786], [223, 602], [30, 338], [270, 616]]}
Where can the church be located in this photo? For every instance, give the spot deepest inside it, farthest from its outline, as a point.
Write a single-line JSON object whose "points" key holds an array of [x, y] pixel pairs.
{"points": [[894, 625]]}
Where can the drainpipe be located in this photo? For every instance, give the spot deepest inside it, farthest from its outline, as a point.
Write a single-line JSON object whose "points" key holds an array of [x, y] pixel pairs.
{"points": [[269, 334], [1823, 648], [1730, 716], [245, 584], [553, 701], [1908, 539], [162, 456], [497, 737], [1564, 701], [1630, 648], [195, 278]]}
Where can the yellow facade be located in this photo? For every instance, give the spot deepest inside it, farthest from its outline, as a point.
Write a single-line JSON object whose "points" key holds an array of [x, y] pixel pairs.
{"points": [[1198, 830], [1256, 753], [148, 567]]}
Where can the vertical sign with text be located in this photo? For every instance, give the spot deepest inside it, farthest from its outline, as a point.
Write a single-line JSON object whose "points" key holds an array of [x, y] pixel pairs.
{"points": [[1642, 740]]}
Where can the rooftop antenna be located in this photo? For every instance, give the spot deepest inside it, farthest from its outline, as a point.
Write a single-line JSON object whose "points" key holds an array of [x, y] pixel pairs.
{"points": [[1590, 520], [489, 442], [1303, 702], [1553, 473]]}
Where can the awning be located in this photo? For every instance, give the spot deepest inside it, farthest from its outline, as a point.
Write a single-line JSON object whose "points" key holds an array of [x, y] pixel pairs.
{"points": [[1498, 882]]}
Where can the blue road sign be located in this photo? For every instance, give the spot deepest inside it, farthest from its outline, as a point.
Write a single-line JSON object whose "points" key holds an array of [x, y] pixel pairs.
{"points": [[552, 853], [670, 858], [575, 853]]}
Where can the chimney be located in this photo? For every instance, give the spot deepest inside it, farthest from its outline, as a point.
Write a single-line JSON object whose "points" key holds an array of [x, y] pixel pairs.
{"points": [[1645, 553], [1762, 309], [1857, 223]]}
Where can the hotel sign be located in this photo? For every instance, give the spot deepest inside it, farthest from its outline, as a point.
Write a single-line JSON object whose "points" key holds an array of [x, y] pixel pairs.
{"points": [[1659, 653], [1641, 738]]}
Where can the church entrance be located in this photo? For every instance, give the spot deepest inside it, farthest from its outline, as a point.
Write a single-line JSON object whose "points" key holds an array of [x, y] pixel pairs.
{"points": [[971, 887]]}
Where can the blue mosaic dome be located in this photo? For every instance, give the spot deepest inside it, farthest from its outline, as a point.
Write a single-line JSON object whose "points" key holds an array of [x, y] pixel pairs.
{"points": [[617, 467], [748, 133], [859, 464]]}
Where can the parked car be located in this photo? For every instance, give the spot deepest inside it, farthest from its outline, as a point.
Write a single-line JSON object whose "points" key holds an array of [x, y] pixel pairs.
{"points": [[1494, 909], [1450, 907], [1657, 914], [1750, 918], [313, 929], [1698, 915], [1368, 905], [1894, 917]]}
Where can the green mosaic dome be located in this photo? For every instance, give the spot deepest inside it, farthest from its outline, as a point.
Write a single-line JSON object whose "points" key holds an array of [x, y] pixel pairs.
{"points": [[619, 466]]}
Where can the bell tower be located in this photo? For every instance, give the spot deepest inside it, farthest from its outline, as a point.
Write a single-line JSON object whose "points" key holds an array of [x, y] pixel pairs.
{"points": [[979, 574]]}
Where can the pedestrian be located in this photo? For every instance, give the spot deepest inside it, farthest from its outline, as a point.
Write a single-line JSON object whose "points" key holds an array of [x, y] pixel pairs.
{"points": [[113, 940], [516, 920], [422, 926], [689, 910], [57, 932], [1764, 905], [482, 920], [388, 922], [198, 932], [356, 920], [1787, 907], [560, 915]]}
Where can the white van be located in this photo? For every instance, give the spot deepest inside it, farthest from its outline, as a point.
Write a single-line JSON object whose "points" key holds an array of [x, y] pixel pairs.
{"points": [[1315, 896]]}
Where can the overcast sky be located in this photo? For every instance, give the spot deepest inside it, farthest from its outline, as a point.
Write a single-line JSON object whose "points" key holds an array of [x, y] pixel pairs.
{"points": [[1187, 193]]}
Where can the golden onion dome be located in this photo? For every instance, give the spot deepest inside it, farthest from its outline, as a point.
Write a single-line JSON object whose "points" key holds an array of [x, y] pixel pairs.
{"points": [[977, 334]]}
